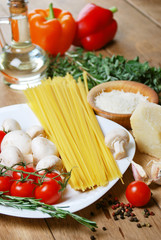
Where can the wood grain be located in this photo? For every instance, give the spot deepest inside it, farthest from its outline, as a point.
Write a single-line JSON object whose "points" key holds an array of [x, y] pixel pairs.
{"points": [[151, 9], [21, 228]]}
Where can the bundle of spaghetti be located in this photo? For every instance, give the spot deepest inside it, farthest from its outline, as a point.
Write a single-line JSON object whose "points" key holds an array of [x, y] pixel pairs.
{"points": [[61, 106]]}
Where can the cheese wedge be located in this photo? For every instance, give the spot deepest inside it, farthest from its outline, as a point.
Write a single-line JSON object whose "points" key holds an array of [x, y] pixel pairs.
{"points": [[146, 127]]}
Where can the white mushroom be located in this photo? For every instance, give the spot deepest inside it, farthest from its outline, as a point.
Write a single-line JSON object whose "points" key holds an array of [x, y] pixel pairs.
{"points": [[10, 124], [28, 158], [49, 162], [116, 141], [17, 138], [36, 131], [42, 147], [10, 156]]}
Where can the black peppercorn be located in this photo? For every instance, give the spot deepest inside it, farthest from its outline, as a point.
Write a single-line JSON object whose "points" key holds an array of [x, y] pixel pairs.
{"points": [[139, 225], [104, 228], [131, 219], [92, 238], [116, 218]]}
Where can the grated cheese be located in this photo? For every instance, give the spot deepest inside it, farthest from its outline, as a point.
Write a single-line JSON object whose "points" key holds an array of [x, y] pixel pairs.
{"points": [[119, 101]]}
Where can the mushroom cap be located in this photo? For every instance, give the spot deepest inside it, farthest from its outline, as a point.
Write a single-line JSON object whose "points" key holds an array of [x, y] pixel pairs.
{"points": [[35, 131], [10, 156], [10, 124], [17, 138], [49, 162], [42, 147], [116, 135]]}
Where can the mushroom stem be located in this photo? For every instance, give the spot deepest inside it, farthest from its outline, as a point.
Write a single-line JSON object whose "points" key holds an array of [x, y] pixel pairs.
{"points": [[119, 150]]}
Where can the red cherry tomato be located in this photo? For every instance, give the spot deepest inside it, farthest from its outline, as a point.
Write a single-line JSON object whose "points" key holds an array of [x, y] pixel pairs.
{"points": [[2, 134], [48, 192], [5, 183], [49, 177], [22, 189], [138, 193], [17, 175]]}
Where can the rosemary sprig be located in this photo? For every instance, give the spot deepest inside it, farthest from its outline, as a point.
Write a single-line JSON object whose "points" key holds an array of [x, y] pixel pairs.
{"points": [[35, 204]]}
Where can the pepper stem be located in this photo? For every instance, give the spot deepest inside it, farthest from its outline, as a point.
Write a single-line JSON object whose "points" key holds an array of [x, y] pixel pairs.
{"points": [[51, 12], [113, 9]]}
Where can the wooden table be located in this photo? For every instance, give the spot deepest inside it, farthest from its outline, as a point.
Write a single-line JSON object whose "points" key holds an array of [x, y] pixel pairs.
{"points": [[139, 34]]}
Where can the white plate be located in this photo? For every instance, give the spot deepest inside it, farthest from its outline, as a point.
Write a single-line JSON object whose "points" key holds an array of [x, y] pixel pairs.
{"points": [[73, 200]]}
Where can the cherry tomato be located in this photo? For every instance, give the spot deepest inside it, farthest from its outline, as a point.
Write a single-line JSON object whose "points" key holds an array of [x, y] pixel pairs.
{"points": [[49, 177], [5, 183], [138, 193], [22, 189], [2, 134], [48, 192], [17, 175]]}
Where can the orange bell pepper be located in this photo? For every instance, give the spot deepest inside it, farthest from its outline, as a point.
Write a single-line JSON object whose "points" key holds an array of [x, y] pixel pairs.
{"points": [[52, 29]]}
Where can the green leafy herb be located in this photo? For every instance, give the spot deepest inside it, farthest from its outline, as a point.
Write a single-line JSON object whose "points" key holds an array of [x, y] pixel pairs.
{"points": [[35, 204], [103, 69]]}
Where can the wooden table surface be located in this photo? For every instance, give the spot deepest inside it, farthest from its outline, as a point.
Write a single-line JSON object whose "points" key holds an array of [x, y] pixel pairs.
{"points": [[139, 34]]}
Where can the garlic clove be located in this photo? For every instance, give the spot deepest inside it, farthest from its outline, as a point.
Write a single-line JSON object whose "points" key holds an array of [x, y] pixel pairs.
{"points": [[138, 172], [156, 172]]}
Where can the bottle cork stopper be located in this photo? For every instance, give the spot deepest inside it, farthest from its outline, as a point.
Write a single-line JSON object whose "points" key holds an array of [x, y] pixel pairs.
{"points": [[17, 6]]}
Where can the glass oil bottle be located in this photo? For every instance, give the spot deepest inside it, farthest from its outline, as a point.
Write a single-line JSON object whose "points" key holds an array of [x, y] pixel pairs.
{"points": [[22, 63]]}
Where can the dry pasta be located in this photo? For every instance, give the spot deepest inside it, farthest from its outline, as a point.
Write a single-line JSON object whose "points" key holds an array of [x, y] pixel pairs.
{"points": [[62, 108]]}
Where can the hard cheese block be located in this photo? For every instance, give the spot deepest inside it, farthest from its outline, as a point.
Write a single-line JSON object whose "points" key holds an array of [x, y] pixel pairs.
{"points": [[146, 127]]}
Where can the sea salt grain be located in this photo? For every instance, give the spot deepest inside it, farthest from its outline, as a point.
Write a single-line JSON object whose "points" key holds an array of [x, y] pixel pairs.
{"points": [[119, 101]]}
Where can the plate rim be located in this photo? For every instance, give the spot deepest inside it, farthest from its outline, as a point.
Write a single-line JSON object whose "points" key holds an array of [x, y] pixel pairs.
{"points": [[38, 214]]}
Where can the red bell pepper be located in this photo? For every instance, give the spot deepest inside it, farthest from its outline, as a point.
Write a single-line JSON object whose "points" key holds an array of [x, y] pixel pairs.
{"points": [[95, 27], [52, 29]]}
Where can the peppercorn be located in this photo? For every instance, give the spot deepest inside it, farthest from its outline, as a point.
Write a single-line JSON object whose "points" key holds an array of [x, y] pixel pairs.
{"points": [[132, 214], [116, 218], [131, 219], [136, 219], [104, 228], [139, 225], [152, 213], [128, 214], [122, 204], [148, 225], [143, 225], [92, 238]]}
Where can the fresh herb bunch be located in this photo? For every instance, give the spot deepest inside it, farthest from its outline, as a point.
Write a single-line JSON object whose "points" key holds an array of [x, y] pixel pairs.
{"points": [[35, 204], [103, 69]]}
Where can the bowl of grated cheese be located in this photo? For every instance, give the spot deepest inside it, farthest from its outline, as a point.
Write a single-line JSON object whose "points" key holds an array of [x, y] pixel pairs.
{"points": [[116, 100]]}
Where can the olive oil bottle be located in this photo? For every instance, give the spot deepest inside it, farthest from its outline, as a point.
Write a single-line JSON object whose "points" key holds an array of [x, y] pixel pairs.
{"points": [[22, 63]]}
